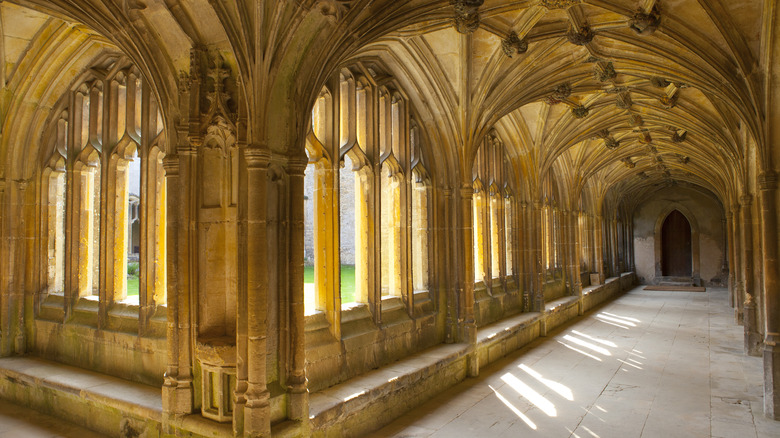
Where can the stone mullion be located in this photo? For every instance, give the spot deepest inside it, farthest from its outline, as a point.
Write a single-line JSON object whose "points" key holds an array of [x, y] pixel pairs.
{"points": [[78, 257], [592, 246], [375, 238], [111, 220], [559, 243], [42, 286], [750, 321], [563, 238], [146, 212], [72, 229], [584, 253], [297, 403], [739, 282], [502, 238], [405, 205], [517, 244], [523, 250], [256, 415]]}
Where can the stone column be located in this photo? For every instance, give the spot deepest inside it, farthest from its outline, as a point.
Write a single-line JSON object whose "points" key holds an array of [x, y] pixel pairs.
{"points": [[613, 239], [752, 336], [768, 187], [177, 390], [12, 269], [525, 251], [539, 270], [739, 281], [729, 262], [257, 410], [468, 332], [448, 266], [297, 403], [598, 232]]}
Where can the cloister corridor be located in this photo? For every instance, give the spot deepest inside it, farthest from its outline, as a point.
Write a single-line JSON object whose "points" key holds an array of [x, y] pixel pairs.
{"points": [[649, 364]]}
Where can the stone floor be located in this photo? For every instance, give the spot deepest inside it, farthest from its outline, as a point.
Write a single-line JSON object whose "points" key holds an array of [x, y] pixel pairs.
{"points": [[651, 364]]}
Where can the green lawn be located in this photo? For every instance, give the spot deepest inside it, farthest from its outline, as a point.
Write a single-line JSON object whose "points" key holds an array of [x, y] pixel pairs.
{"points": [[132, 278], [347, 281], [132, 285]]}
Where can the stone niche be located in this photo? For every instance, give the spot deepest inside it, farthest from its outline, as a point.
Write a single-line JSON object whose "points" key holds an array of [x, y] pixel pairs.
{"points": [[217, 360]]}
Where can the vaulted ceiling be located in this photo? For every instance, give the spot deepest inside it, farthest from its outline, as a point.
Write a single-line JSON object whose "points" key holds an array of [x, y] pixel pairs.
{"points": [[619, 96]]}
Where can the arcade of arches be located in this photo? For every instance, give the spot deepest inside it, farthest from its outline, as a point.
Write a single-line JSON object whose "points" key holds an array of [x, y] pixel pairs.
{"points": [[245, 206]]}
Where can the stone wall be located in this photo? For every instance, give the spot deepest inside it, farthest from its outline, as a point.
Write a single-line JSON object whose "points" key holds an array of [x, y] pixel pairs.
{"points": [[706, 219]]}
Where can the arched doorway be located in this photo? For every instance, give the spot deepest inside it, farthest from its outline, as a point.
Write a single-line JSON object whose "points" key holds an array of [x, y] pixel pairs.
{"points": [[676, 258]]}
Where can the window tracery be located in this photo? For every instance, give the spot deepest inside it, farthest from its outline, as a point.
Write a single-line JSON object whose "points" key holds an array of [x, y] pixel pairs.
{"points": [[103, 191], [373, 196]]}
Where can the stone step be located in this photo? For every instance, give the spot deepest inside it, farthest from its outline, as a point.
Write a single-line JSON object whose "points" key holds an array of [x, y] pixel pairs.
{"points": [[104, 404]]}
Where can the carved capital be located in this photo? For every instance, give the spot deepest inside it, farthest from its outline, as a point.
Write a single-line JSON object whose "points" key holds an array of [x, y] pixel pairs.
{"points": [[466, 191], [745, 200], [296, 166], [767, 180], [171, 165], [257, 158]]}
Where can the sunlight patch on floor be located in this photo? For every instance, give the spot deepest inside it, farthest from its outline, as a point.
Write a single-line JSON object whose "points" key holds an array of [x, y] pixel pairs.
{"points": [[512, 407], [600, 341], [580, 342], [561, 389], [530, 394], [618, 320], [579, 351]]}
